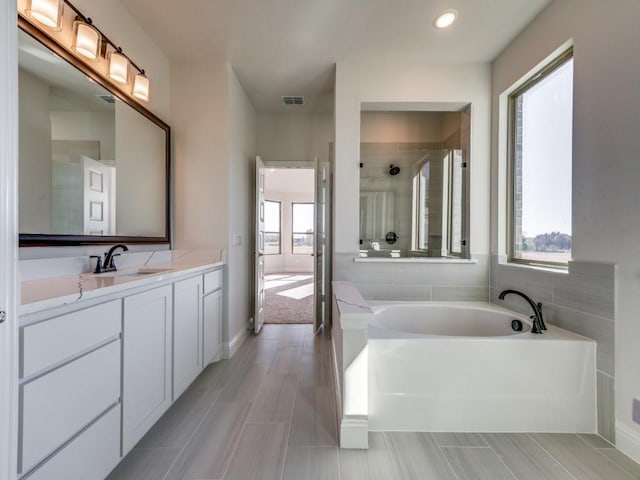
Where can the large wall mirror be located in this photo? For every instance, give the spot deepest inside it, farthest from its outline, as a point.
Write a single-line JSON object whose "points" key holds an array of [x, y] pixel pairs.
{"points": [[414, 183], [94, 165]]}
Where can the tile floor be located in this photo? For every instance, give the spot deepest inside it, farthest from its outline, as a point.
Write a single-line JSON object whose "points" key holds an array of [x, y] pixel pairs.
{"points": [[269, 413]]}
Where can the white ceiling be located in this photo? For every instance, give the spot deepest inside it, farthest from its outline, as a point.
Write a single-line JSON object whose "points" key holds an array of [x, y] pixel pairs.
{"points": [[289, 47]]}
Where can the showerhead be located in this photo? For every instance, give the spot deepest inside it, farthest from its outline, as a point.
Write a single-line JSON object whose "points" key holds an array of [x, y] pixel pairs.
{"points": [[394, 169]]}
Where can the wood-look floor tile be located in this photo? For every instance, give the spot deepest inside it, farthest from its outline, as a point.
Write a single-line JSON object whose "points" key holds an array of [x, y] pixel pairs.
{"points": [[314, 420], [315, 370], [259, 454], [458, 439], [579, 458], [417, 456], [284, 361], [624, 462], [145, 464], [263, 352], [178, 423], [274, 400], [478, 463], [596, 441], [372, 464], [311, 463], [243, 386], [210, 448], [525, 457]]}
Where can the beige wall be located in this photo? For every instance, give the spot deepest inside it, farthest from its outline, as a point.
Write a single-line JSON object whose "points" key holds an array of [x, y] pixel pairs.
{"points": [[242, 152]]}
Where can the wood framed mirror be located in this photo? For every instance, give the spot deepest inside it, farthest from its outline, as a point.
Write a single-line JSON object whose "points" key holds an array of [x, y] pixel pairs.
{"points": [[94, 163]]}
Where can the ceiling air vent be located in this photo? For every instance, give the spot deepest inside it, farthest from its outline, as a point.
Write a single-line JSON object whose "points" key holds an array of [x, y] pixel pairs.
{"points": [[293, 100], [108, 98]]}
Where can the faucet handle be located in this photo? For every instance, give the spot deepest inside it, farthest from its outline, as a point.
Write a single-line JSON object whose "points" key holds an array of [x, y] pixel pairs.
{"points": [[98, 268]]}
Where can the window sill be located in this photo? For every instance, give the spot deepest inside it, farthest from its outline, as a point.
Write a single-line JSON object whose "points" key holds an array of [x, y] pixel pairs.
{"points": [[462, 261], [536, 267]]}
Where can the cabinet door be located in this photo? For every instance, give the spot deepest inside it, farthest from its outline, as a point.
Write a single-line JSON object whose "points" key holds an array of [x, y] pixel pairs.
{"points": [[212, 344], [146, 362], [187, 333]]}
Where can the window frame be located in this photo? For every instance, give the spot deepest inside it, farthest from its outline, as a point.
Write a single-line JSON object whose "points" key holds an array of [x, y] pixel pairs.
{"points": [[293, 232], [535, 78], [279, 226]]}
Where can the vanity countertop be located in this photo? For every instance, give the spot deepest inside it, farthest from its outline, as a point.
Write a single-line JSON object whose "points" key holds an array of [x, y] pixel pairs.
{"points": [[44, 294]]}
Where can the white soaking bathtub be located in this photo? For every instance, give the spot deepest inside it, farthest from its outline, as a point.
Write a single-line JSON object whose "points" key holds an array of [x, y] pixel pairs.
{"points": [[459, 367]]}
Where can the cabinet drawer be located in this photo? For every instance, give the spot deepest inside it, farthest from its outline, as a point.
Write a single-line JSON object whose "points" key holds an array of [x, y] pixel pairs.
{"points": [[52, 341], [212, 281], [90, 456], [56, 406]]}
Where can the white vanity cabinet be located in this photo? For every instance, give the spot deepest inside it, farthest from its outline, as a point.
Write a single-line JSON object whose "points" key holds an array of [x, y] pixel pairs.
{"points": [[146, 382], [97, 372], [213, 309], [187, 333], [70, 389]]}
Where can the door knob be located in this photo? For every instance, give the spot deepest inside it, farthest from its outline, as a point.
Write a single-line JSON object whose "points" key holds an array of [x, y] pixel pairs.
{"points": [[3, 316]]}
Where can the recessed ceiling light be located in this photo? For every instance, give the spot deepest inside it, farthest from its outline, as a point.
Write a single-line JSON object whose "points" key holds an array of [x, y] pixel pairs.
{"points": [[445, 19]]}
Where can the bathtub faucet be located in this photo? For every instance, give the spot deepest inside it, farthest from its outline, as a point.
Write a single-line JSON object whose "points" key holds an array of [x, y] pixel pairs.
{"points": [[538, 322]]}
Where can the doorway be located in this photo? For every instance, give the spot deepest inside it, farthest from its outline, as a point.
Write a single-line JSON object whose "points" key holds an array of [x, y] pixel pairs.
{"points": [[289, 245]]}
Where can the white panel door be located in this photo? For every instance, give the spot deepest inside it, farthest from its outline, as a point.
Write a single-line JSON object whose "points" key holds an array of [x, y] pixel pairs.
{"points": [[258, 311], [98, 202], [187, 333], [321, 243], [146, 393]]}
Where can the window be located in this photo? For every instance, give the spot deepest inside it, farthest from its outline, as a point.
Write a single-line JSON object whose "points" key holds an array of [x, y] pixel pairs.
{"points": [[272, 244], [540, 116], [303, 218]]}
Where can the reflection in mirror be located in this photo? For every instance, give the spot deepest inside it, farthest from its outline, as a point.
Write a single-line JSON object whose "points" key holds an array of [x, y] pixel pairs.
{"points": [[90, 164], [413, 185]]}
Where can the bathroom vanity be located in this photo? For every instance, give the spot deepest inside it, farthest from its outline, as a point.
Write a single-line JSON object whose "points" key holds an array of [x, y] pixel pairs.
{"points": [[103, 356]]}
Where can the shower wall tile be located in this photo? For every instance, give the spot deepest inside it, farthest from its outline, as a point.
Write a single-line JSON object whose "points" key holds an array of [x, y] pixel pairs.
{"points": [[585, 293], [459, 294]]}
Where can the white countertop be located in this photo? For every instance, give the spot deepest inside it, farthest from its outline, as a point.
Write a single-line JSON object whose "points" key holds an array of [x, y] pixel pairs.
{"points": [[47, 293]]}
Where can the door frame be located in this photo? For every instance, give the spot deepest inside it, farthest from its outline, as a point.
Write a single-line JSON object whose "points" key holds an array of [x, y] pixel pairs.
{"points": [[296, 164], [8, 238]]}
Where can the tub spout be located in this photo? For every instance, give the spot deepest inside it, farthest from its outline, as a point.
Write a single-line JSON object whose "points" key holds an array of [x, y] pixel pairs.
{"points": [[537, 325]]}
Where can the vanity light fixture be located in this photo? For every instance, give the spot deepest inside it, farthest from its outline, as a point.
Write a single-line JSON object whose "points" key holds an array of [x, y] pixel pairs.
{"points": [[445, 19], [119, 67], [46, 12], [86, 39], [141, 87], [89, 42]]}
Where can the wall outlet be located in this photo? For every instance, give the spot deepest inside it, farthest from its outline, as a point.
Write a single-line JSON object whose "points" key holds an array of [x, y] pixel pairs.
{"points": [[236, 240], [636, 409]]}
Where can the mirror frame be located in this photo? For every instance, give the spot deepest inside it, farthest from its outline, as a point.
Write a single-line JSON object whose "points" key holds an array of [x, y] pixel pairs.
{"points": [[40, 240]]}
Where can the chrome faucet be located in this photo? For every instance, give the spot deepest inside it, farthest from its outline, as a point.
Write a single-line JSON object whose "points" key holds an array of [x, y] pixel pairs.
{"points": [[538, 322], [108, 264]]}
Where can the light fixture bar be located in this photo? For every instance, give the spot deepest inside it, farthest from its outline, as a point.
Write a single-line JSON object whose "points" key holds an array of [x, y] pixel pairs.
{"points": [[116, 50]]}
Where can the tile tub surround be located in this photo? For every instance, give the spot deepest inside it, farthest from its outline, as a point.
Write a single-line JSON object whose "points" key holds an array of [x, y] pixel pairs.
{"points": [[39, 294], [202, 437], [416, 280], [581, 300]]}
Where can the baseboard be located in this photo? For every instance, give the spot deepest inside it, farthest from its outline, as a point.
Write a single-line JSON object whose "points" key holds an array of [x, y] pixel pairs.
{"points": [[354, 432], [229, 349], [628, 441]]}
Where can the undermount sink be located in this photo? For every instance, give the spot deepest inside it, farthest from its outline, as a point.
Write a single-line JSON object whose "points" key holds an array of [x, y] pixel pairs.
{"points": [[139, 272]]}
